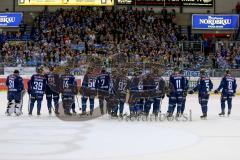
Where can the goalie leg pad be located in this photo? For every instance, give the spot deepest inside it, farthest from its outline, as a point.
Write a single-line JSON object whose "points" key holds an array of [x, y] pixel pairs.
{"points": [[18, 110], [10, 107]]}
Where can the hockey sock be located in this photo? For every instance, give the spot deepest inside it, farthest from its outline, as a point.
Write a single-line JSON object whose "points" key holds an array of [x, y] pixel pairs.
{"points": [[39, 105], [229, 104], [121, 107], [91, 104], [223, 105]]}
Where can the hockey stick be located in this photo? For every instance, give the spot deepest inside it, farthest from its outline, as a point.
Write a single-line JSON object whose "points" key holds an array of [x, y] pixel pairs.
{"points": [[78, 103], [29, 101], [21, 103]]}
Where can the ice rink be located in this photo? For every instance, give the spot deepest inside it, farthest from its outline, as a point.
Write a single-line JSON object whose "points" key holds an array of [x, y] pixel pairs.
{"points": [[48, 138]]}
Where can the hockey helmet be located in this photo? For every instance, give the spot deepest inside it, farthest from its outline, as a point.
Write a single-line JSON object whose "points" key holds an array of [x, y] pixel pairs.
{"points": [[203, 72], [227, 71], [16, 71], [40, 69]]}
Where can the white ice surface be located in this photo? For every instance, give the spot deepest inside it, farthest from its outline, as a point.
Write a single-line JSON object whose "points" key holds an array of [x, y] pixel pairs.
{"points": [[48, 138]]}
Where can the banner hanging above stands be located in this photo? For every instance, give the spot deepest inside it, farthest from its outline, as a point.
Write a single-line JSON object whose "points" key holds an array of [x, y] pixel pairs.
{"points": [[215, 21], [10, 19]]}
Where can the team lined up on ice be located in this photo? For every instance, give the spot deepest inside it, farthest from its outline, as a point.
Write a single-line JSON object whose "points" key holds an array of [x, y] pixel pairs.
{"points": [[141, 92]]}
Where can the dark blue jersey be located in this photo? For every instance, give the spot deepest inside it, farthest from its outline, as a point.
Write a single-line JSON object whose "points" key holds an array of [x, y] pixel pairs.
{"points": [[136, 84], [204, 85], [68, 84], [228, 85], [89, 81], [14, 83], [103, 82], [37, 84], [160, 85], [178, 83], [52, 82]]}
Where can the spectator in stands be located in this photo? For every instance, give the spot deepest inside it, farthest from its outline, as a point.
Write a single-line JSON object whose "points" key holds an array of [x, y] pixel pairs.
{"points": [[237, 60]]}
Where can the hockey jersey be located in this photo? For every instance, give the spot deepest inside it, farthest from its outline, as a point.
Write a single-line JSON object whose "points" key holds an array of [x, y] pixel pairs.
{"points": [[228, 85], [37, 84], [68, 84], [14, 83], [177, 83], [204, 85]]}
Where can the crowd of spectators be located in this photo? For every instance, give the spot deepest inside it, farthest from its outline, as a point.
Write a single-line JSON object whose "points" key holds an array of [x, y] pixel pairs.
{"points": [[227, 57], [58, 37]]}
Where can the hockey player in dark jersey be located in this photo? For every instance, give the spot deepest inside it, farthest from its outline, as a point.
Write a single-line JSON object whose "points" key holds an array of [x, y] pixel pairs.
{"points": [[88, 90], [228, 86], [120, 86], [136, 100], [185, 92], [204, 87], [15, 87], [156, 92], [68, 90], [52, 91], [103, 86], [37, 88], [176, 88]]}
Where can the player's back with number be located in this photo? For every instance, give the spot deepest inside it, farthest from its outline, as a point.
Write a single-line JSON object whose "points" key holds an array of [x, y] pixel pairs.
{"points": [[103, 82], [38, 84], [178, 82], [89, 81], [204, 85], [229, 84], [68, 84], [14, 83]]}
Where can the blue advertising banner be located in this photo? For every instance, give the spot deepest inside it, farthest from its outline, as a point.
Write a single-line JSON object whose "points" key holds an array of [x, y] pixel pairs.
{"points": [[215, 21], [10, 19]]}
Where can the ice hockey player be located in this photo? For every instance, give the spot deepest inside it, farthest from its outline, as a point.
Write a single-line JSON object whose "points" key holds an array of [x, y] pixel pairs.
{"points": [[120, 85], [88, 90], [15, 94], [204, 87], [185, 92], [103, 86], [228, 86], [68, 90], [36, 89], [157, 93], [52, 91], [136, 100], [176, 88]]}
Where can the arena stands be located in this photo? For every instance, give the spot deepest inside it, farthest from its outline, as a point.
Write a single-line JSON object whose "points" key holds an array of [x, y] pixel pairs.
{"points": [[142, 35]]}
